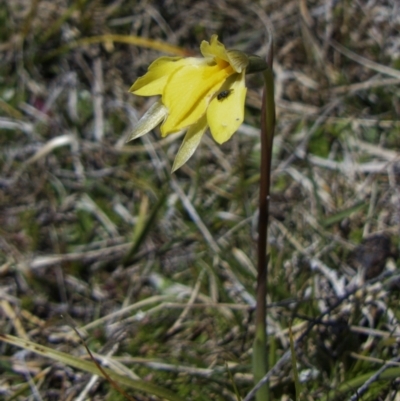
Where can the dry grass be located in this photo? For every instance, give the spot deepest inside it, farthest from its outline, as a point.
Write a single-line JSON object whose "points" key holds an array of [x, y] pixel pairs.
{"points": [[158, 271]]}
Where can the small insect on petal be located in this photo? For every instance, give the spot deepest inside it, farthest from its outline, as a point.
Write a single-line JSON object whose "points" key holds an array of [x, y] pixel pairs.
{"points": [[224, 94]]}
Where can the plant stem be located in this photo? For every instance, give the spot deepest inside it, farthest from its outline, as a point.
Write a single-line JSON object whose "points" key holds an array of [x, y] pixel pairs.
{"points": [[260, 364]]}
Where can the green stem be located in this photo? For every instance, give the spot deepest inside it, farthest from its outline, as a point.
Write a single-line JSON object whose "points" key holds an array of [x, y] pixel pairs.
{"points": [[260, 364]]}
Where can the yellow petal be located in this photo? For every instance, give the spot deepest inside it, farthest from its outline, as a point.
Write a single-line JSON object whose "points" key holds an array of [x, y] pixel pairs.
{"points": [[156, 113], [226, 111], [153, 82], [214, 49], [190, 143], [188, 93]]}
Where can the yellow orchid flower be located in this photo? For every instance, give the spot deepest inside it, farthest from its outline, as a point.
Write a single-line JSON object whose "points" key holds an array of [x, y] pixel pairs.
{"points": [[196, 93]]}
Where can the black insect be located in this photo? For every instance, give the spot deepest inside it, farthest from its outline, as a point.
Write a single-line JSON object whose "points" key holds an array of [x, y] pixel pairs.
{"points": [[224, 94]]}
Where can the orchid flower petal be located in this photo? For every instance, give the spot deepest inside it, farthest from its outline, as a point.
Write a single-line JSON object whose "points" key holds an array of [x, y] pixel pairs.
{"points": [[153, 82], [190, 143], [153, 117], [188, 93], [225, 113], [214, 49]]}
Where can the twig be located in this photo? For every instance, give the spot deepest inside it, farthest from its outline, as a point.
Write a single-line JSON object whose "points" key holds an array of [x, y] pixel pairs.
{"points": [[98, 86], [372, 65], [361, 390]]}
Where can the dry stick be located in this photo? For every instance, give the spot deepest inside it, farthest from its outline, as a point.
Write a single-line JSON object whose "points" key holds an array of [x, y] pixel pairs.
{"points": [[114, 384], [372, 65], [360, 391], [98, 101]]}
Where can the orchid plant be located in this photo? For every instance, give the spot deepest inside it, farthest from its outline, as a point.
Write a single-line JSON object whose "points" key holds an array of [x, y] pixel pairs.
{"points": [[209, 92]]}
